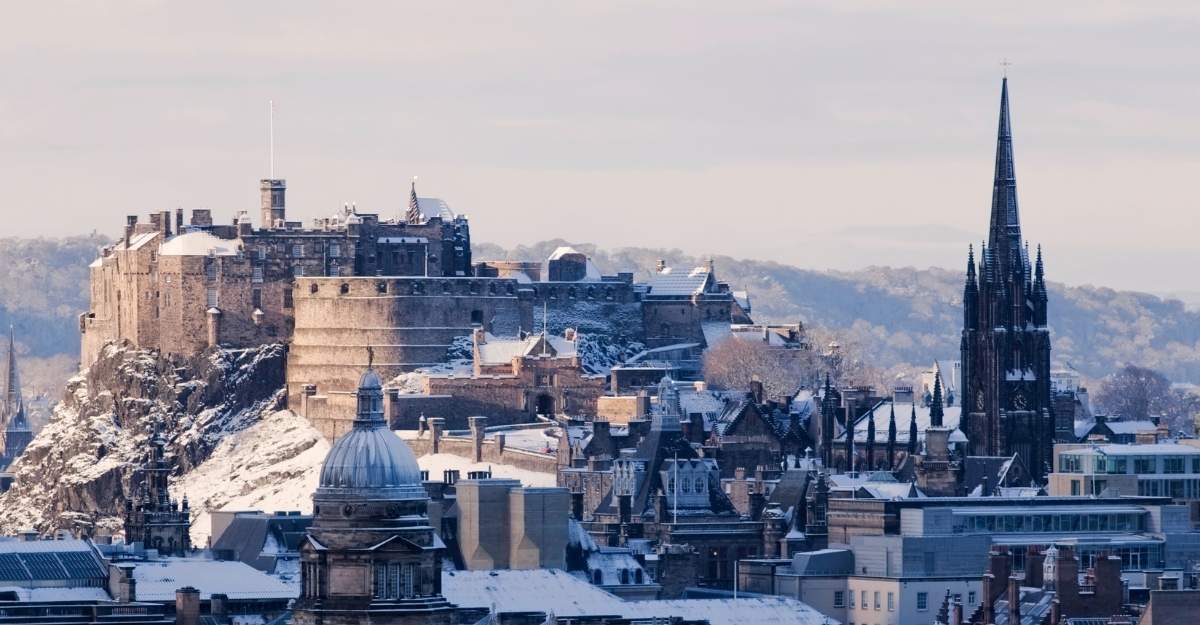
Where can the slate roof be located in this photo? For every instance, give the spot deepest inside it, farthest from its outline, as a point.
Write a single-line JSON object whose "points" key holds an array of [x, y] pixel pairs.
{"points": [[671, 283]]}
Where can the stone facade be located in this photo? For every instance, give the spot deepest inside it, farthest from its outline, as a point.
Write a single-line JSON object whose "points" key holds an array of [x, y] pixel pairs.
{"points": [[156, 520], [181, 287], [504, 526], [405, 287], [1006, 386]]}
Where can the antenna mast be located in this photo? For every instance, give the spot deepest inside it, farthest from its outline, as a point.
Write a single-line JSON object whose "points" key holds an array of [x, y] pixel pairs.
{"points": [[271, 137]]}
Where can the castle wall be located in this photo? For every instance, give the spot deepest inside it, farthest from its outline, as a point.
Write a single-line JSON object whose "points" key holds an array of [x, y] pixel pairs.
{"points": [[408, 322]]}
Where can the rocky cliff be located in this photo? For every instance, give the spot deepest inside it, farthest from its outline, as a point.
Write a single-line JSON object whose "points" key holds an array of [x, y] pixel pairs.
{"points": [[79, 470]]}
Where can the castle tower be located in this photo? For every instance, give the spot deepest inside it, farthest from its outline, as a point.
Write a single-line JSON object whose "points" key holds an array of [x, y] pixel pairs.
{"points": [[371, 555], [1005, 341], [156, 520], [271, 192]]}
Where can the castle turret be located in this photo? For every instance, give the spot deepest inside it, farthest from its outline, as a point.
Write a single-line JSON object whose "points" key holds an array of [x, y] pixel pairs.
{"points": [[272, 191]]}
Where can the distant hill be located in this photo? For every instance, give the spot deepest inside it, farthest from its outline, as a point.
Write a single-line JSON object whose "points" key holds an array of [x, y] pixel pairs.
{"points": [[899, 317]]}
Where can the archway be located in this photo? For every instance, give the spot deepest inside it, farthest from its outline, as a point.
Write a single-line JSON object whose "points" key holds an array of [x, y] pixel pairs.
{"points": [[545, 405]]}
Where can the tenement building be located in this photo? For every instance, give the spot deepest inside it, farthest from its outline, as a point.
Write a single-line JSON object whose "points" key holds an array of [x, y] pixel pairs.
{"points": [[1005, 340]]}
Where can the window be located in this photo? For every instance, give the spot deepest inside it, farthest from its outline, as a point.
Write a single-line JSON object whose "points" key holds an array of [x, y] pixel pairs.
{"points": [[862, 599], [1074, 488], [876, 599], [839, 599], [212, 297], [335, 250], [891, 602], [922, 601], [298, 250], [699, 485], [256, 298], [1173, 464], [297, 270], [971, 597], [1195, 465], [381, 287], [256, 274], [1143, 465], [287, 298], [852, 599], [210, 269]]}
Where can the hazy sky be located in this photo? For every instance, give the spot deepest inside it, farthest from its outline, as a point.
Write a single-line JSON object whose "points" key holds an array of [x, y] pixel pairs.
{"points": [[834, 135]]}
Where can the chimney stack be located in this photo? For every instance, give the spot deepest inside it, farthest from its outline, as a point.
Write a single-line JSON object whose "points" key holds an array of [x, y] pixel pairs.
{"points": [[130, 223], [178, 221], [1014, 599], [187, 606]]}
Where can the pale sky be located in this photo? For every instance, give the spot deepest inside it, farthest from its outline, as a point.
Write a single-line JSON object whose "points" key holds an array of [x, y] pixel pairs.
{"points": [[834, 135]]}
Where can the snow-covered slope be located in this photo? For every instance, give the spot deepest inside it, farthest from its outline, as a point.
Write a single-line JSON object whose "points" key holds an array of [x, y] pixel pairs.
{"points": [[272, 465], [77, 471]]}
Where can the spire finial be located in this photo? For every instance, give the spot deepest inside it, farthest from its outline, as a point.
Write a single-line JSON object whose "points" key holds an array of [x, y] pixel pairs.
{"points": [[370, 356], [1005, 64], [413, 216]]}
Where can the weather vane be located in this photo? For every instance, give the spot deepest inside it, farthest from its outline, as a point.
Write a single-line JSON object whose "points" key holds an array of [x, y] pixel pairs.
{"points": [[370, 356]]}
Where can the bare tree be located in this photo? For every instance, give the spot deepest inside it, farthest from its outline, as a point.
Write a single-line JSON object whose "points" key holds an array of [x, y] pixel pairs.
{"points": [[734, 363], [1141, 393]]}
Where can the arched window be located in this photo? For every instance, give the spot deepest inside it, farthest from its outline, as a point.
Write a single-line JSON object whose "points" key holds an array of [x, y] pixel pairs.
{"points": [[685, 485], [699, 485], [381, 287], [637, 577], [312, 288], [591, 292], [597, 577], [571, 293], [608, 293], [344, 289], [624, 576]]}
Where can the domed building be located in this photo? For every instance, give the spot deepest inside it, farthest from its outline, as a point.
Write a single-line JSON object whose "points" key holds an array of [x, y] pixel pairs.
{"points": [[371, 555]]}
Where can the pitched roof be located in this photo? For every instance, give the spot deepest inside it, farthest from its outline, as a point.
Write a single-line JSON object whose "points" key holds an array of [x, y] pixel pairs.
{"points": [[670, 283]]}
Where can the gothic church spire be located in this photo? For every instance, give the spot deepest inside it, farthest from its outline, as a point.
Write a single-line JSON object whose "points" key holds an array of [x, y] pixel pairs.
{"points": [[1004, 232]]}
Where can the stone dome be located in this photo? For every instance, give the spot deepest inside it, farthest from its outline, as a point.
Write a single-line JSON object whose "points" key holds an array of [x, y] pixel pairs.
{"points": [[370, 461]]}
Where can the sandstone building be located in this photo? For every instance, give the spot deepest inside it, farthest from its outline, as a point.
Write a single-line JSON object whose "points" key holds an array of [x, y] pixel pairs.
{"points": [[371, 555], [404, 286]]}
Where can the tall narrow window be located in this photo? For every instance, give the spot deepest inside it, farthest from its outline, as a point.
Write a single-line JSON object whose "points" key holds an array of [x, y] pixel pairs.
{"points": [[212, 297]]}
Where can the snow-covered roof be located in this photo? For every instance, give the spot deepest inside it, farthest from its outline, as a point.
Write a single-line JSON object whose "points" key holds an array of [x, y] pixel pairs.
{"points": [[773, 610], [501, 350], [1154, 449], [18, 545], [1131, 427], [69, 593], [431, 206], [548, 590], [198, 244], [882, 413], [157, 580], [137, 241], [591, 272], [671, 283]]}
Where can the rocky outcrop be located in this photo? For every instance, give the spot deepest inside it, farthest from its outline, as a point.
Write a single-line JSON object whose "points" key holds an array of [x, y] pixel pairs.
{"points": [[79, 471]]}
